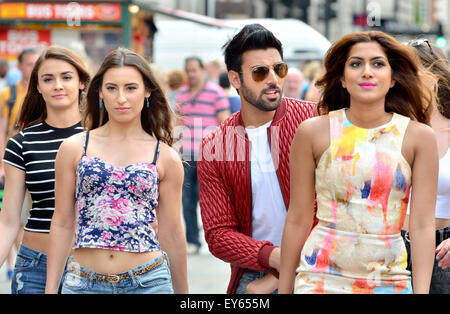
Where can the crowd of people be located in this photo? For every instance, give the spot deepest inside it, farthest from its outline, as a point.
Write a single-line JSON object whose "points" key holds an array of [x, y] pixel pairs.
{"points": [[333, 177]]}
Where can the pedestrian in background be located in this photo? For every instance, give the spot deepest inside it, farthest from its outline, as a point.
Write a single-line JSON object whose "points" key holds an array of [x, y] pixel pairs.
{"points": [[175, 80], [360, 157], [4, 67], [233, 97], [243, 165], [434, 60], [293, 84], [111, 183], [201, 106], [11, 99], [50, 113]]}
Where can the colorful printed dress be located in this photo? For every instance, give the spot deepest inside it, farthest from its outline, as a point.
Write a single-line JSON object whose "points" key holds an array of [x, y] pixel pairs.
{"points": [[362, 186]]}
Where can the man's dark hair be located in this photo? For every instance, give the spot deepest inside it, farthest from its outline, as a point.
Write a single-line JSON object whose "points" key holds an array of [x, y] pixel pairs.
{"points": [[251, 37], [224, 82]]}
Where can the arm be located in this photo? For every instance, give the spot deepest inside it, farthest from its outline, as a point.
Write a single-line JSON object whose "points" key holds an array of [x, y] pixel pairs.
{"points": [[221, 225], [3, 129], [13, 196], [300, 214], [423, 202], [170, 228], [63, 222]]}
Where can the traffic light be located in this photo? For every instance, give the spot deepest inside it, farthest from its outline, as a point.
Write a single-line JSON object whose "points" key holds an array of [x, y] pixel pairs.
{"points": [[441, 41], [330, 11]]}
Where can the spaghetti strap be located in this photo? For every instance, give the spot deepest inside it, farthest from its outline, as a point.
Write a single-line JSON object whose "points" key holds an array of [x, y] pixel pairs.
{"points": [[155, 158], [86, 140]]}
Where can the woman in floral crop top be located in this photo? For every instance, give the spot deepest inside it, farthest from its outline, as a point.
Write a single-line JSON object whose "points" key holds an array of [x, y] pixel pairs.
{"points": [[112, 182]]}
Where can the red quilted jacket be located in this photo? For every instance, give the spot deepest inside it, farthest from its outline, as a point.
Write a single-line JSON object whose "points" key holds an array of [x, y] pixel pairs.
{"points": [[225, 186]]}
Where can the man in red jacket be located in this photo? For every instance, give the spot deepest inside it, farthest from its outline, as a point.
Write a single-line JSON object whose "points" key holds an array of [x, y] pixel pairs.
{"points": [[243, 165]]}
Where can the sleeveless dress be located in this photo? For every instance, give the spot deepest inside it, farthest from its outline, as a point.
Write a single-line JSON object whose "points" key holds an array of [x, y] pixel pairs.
{"points": [[362, 186]]}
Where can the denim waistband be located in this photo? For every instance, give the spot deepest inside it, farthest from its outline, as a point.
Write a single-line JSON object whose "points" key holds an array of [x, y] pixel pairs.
{"points": [[25, 251], [131, 272]]}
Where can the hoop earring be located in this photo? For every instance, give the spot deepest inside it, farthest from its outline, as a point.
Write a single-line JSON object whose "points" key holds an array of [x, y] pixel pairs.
{"points": [[101, 103], [147, 103]]}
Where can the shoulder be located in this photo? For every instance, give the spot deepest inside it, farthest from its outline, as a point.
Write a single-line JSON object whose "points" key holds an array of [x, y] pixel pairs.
{"points": [[213, 87], [419, 137], [169, 153], [169, 162], [15, 143], [314, 126], [72, 145], [300, 107], [419, 131]]}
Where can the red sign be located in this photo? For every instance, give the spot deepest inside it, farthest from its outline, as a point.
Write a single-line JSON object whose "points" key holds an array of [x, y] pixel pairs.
{"points": [[13, 41], [73, 11]]}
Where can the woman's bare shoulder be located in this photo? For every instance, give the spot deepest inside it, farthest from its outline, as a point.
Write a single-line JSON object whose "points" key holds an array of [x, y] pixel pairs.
{"points": [[418, 132], [169, 158], [314, 125], [72, 145]]}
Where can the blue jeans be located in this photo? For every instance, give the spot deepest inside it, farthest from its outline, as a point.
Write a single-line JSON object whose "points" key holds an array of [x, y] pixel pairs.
{"points": [[156, 281], [190, 200], [247, 278], [30, 272]]}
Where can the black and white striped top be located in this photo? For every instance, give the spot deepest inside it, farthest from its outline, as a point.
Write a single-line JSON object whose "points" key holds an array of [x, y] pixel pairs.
{"points": [[34, 150]]}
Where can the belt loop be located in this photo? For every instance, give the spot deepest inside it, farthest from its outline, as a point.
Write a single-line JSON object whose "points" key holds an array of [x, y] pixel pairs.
{"points": [[37, 259], [167, 258], [90, 280], [133, 278]]}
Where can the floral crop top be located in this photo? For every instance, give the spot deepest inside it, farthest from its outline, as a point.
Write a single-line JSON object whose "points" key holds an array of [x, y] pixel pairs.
{"points": [[115, 206]]}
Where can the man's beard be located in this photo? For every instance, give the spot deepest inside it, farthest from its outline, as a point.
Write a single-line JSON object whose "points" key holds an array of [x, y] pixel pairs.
{"points": [[259, 102]]}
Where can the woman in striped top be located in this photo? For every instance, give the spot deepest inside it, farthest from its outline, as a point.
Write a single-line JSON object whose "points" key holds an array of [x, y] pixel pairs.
{"points": [[50, 113]]}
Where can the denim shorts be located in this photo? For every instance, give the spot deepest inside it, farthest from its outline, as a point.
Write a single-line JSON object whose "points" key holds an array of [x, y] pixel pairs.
{"points": [[30, 272], [156, 281], [248, 277]]}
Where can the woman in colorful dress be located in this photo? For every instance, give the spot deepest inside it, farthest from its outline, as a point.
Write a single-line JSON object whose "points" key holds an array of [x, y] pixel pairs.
{"points": [[50, 113], [361, 157], [111, 183]]}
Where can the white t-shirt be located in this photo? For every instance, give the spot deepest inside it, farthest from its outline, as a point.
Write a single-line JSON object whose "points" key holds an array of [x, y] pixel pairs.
{"points": [[269, 210]]}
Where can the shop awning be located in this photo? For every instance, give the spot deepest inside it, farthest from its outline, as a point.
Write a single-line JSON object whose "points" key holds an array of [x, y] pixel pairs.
{"points": [[180, 14]]}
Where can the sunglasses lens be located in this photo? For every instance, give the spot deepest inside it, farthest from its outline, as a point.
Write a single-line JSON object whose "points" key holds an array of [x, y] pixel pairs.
{"points": [[259, 73], [281, 69]]}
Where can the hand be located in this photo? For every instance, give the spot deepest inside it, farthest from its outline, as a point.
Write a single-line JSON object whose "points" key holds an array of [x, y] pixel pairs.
{"points": [[443, 254], [275, 258], [264, 285]]}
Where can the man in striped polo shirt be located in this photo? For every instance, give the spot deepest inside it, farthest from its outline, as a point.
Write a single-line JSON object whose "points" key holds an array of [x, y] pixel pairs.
{"points": [[202, 106]]}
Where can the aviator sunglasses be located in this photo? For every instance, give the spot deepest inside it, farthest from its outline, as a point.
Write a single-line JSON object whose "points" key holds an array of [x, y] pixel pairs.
{"points": [[260, 72]]}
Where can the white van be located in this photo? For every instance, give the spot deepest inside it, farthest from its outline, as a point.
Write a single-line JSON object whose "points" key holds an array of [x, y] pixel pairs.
{"points": [[178, 39]]}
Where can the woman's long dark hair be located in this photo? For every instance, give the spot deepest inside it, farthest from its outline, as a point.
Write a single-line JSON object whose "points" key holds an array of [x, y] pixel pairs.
{"points": [[409, 96], [156, 120], [34, 109]]}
